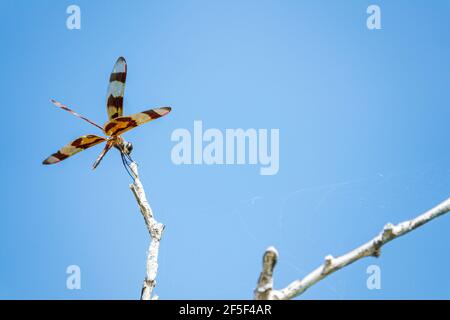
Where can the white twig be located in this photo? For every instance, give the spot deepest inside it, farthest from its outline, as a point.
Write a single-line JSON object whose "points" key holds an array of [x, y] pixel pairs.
{"points": [[155, 229], [390, 232], [265, 281]]}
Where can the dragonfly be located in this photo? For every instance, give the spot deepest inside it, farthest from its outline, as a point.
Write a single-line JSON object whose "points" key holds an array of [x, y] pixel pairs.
{"points": [[116, 125]]}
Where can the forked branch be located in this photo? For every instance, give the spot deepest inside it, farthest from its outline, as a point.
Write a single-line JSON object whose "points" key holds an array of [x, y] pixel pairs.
{"points": [[265, 291], [155, 229]]}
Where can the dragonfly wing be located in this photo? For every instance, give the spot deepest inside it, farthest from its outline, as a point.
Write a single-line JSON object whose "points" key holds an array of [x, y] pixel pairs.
{"points": [[116, 89], [64, 107], [120, 125], [77, 145]]}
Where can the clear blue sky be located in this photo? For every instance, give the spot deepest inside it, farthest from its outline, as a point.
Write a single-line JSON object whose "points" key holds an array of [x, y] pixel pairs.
{"points": [[364, 126]]}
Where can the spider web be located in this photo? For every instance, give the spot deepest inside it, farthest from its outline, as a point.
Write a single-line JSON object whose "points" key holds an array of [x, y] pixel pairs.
{"points": [[379, 198]]}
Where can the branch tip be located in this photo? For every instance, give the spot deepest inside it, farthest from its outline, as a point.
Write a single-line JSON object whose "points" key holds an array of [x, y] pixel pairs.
{"points": [[134, 168], [264, 286]]}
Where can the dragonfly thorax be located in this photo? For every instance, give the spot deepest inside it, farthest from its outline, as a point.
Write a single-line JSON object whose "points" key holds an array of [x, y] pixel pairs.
{"points": [[122, 145]]}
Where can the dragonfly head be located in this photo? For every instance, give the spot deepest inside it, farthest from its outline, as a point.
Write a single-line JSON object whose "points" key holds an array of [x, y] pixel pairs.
{"points": [[122, 145], [127, 147]]}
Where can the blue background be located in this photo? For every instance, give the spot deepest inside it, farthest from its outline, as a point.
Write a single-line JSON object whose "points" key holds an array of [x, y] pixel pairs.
{"points": [[364, 126]]}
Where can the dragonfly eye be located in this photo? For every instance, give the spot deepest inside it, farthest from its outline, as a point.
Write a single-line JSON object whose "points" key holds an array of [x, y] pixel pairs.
{"points": [[129, 147]]}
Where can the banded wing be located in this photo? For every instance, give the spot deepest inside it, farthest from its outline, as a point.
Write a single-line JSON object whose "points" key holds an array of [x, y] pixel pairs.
{"points": [[120, 125], [116, 89], [74, 147]]}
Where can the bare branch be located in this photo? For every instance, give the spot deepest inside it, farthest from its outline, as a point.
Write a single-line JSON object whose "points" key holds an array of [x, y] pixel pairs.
{"points": [[155, 229], [331, 264]]}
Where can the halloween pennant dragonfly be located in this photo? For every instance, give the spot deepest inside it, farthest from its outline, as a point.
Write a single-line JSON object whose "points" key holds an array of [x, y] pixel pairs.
{"points": [[116, 125]]}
